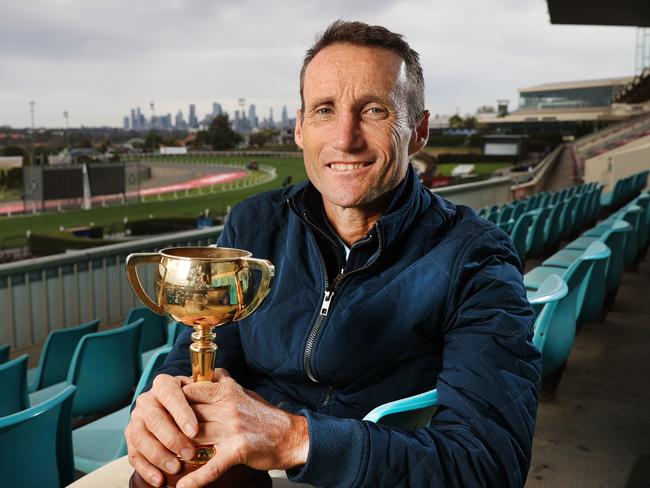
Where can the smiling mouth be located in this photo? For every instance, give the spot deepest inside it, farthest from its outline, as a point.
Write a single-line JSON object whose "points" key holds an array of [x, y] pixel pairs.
{"points": [[348, 166]]}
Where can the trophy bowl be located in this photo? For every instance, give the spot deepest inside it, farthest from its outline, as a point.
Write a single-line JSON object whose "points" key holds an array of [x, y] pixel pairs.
{"points": [[202, 287]]}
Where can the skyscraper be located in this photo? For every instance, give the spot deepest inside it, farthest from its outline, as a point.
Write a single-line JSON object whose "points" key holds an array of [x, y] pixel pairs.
{"points": [[133, 120], [285, 117], [193, 121], [125, 123], [252, 116], [179, 123], [216, 109]]}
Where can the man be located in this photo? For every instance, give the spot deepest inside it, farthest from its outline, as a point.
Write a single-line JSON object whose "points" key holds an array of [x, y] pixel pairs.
{"points": [[382, 291]]}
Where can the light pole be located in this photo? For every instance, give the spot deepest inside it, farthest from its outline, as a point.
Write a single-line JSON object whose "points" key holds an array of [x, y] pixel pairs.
{"points": [[31, 110], [67, 129]]}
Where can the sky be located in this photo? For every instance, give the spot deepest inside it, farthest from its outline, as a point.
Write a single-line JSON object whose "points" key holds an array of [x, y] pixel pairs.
{"points": [[97, 59]]}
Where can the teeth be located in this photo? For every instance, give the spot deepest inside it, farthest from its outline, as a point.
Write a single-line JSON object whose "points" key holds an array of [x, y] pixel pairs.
{"points": [[346, 166]]}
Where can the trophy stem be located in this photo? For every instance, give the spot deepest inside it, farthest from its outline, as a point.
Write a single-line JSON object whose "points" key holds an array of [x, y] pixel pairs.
{"points": [[202, 353]]}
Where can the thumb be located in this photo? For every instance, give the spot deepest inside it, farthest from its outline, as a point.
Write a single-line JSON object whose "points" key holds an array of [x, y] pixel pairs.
{"points": [[203, 392]]}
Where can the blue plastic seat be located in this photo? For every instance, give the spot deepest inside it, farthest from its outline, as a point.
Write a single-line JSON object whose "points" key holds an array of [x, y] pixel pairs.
{"points": [[4, 353], [13, 385], [643, 201], [594, 298], [36, 444], [154, 327], [102, 441], [105, 368], [407, 413], [576, 276], [56, 355], [552, 289], [174, 329], [566, 217], [614, 238], [535, 239], [553, 226], [519, 234]]}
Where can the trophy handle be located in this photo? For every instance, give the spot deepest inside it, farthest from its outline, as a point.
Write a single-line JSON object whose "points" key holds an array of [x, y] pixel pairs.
{"points": [[268, 271], [132, 261]]}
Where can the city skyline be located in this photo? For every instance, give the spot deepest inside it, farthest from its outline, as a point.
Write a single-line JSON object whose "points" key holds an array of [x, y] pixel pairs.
{"points": [[473, 53]]}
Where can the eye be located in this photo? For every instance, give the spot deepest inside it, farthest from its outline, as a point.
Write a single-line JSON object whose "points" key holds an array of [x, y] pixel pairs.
{"points": [[323, 110], [376, 111]]}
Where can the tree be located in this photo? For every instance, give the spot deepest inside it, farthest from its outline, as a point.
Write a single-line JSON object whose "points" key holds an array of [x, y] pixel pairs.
{"points": [[456, 121], [14, 151], [262, 138], [220, 136], [152, 142]]}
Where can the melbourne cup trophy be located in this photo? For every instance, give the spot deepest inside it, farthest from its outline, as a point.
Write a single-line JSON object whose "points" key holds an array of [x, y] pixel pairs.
{"points": [[204, 288]]}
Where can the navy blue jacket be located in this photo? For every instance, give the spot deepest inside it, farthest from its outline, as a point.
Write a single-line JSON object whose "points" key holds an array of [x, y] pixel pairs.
{"points": [[433, 297]]}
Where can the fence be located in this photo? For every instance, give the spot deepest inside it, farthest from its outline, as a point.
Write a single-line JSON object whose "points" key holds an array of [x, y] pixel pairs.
{"points": [[44, 294]]}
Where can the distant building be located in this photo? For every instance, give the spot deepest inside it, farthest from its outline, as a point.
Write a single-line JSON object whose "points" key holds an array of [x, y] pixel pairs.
{"points": [[252, 116], [179, 122], [285, 117], [193, 121], [565, 105], [126, 125], [216, 109]]}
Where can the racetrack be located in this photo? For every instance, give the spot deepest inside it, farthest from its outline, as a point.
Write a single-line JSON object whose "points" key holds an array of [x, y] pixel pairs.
{"points": [[165, 178]]}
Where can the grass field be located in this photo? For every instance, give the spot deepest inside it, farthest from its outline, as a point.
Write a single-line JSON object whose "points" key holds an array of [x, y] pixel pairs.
{"points": [[479, 168], [7, 195], [13, 229]]}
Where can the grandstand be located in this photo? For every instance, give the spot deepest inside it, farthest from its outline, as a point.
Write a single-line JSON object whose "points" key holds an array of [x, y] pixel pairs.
{"points": [[580, 222]]}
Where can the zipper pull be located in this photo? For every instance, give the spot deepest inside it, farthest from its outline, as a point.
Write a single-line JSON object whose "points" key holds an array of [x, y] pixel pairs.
{"points": [[324, 308]]}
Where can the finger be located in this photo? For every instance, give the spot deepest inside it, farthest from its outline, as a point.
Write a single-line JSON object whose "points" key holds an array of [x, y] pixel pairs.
{"points": [[204, 392], [148, 471], [160, 425], [184, 380], [212, 470], [220, 373], [153, 451], [170, 395]]}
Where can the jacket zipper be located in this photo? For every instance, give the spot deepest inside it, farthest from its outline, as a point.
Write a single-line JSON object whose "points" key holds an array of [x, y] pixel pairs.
{"points": [[329, 295]]}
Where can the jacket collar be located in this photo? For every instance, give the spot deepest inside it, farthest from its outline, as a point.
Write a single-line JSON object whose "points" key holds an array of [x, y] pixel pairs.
{"points": [[410, 199]]}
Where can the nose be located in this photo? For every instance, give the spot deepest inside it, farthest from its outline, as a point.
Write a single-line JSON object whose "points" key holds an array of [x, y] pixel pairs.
{"points": [[348, 136]]}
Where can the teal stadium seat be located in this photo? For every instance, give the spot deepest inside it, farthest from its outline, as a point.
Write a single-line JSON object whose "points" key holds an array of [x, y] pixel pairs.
{"points": [[154, 327], [13, 385], [105, 368], [519, 234], [553, 226], [614, 238], [36, 444], [102, 440], [407, 413], [174, 329], [594, 298], [4, 353], [56, 355], [535, 239]]}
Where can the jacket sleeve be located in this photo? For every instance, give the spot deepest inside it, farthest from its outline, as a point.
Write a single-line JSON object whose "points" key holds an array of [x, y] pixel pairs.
{"points": [[481, 434], [230, 354]]}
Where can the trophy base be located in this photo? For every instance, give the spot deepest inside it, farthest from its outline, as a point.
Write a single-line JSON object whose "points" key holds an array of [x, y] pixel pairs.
{"points": [[240, 476]]}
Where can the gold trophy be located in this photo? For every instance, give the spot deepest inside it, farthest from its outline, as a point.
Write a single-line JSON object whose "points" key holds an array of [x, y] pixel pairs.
{"points": [[202, 287]]}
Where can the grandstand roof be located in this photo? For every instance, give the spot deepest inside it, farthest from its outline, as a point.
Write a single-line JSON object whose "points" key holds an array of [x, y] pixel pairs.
{"points": [[557, 115], [600, 12], [573, 85]]}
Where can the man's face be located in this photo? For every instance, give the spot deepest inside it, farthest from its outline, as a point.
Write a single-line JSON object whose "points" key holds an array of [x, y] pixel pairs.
{"points": [[354, 131]]}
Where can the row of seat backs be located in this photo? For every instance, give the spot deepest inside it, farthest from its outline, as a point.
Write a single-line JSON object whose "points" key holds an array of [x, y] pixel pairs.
{"points": [[593, 266], [36, 444], [557, 322], [625, 189], [543, 228]]}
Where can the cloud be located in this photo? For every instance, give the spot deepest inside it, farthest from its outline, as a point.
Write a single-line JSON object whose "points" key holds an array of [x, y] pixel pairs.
{"points": [[99, 59]]}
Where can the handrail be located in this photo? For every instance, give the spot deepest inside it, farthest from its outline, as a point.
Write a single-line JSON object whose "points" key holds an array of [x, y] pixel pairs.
{"points": [[537, 174], [37, 264]]}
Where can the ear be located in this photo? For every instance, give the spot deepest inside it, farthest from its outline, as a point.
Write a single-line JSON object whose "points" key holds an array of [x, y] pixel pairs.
{"points": [[297, 132], [420, 134]]}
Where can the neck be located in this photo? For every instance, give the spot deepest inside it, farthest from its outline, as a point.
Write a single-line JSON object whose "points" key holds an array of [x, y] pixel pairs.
{"points": [[354, 223]]}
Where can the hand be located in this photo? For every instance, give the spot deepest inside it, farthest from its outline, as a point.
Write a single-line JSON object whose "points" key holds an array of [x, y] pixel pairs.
{"points": [[153, 436], [244, 428]]}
